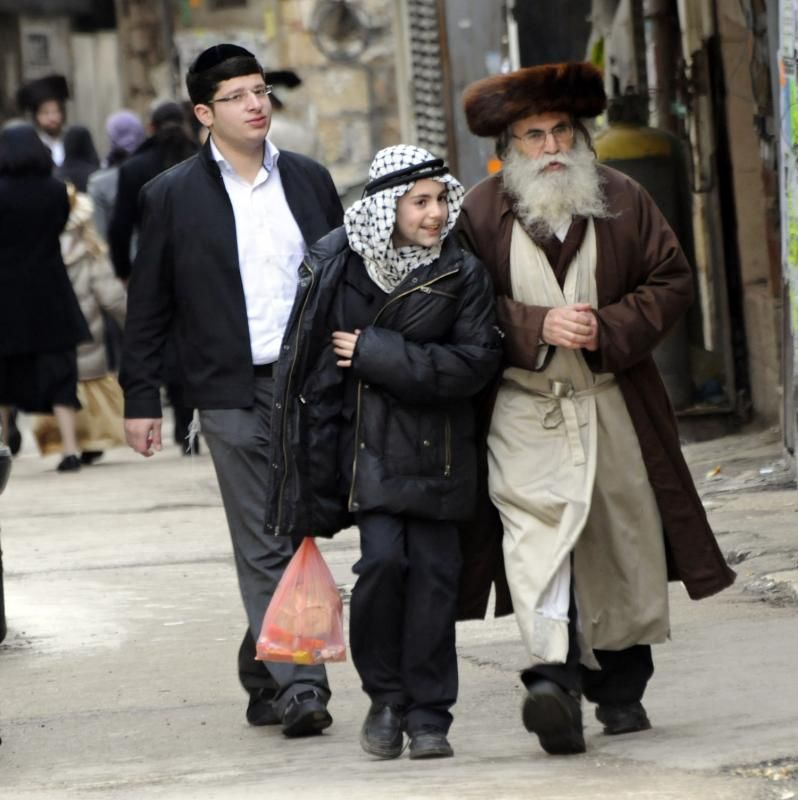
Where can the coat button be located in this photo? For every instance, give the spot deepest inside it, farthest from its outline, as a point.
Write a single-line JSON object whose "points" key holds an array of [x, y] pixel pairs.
{"points": [[362, 445], [355, 506], [274, 466], [414, 281], [286, 347], [366, 386], [278, 406], [427, 442]]}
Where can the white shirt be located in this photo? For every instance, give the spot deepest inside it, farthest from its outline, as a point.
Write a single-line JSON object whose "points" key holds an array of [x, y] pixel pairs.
{"points": [[56, 147], [561, 231], [270, 250]]}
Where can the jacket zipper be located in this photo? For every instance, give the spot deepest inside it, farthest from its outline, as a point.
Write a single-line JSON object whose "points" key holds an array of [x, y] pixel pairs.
{"points": [[447, 430], [295, 355], [440, 292], [424, 287]]}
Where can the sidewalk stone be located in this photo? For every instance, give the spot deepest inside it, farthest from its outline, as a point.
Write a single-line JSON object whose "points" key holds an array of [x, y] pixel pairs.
{"points": [[118, 672]]}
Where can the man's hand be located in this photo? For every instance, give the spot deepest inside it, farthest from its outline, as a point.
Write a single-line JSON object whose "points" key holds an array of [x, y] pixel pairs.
{"points": [[144, 435], [572, 326], [344, 346]]}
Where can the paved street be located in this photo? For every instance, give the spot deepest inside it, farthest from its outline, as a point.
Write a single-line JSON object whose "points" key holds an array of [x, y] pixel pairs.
{"points": [[117, 678]]}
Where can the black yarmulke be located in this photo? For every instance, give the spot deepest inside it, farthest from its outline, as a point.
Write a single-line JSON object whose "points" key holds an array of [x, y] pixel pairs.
{"points": [[215, 55]]}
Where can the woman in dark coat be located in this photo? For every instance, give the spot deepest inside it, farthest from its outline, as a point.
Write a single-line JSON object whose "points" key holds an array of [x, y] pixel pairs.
{"points": [[40, 319], [393, 336], [80, 157]]}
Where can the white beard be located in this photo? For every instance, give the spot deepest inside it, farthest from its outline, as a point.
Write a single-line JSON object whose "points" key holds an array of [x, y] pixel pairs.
{"points": [[547, 201]]}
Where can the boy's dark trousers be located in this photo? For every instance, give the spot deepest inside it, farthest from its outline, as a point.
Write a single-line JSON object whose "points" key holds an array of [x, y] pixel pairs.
{"points": [[402, 621]]}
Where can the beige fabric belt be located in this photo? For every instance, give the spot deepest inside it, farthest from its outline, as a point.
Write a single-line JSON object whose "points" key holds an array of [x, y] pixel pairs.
{"points": [[563, 410]]}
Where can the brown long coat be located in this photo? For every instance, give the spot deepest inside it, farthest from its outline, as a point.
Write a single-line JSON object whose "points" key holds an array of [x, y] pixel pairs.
{"points": [[644, 286]]}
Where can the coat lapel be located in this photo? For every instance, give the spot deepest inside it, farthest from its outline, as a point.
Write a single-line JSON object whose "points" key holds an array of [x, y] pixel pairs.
{"points": [[608, 284], [296, 195]]}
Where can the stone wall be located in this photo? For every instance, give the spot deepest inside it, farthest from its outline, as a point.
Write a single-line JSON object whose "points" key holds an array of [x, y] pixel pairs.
{"points": [[345, 110], [142, 54], [352, 105]]}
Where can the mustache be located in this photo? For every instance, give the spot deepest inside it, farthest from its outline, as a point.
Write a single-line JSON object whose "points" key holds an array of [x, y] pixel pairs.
{"points": [[544, 199], [539, 164]]}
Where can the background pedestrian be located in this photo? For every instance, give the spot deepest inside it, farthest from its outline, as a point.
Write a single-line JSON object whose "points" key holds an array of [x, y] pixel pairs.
{"points": [[40, 319]]}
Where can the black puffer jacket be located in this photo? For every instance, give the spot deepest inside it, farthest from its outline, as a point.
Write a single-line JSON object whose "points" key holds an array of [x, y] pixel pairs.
{"points": [[431, 346]]}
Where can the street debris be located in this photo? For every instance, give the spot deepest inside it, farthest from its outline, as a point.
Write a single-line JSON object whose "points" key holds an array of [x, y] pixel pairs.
{"points": [[777, 593], [734, 557], [777, 769]]}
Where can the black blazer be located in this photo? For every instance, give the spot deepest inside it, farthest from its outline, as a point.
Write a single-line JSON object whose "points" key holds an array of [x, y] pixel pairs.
{"points": [[39, 312], [186, 279]]}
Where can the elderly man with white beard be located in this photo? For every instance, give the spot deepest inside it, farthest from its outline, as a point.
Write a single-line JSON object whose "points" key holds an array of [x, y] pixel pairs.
{"points": [[592, 507]]}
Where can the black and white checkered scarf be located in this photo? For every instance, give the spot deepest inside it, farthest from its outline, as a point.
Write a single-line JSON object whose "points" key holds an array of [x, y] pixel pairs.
{"points": [[370, 221]]}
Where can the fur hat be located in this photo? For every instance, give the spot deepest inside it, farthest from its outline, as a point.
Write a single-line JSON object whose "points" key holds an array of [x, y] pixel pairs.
{"points": [[34, 93], [494, 103]]}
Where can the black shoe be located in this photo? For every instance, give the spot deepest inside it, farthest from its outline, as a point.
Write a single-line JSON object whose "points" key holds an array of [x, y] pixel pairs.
{"points": [[429, 742], [555, 716], [260, 710], [381, 734], [90, 456], [305, 714], [69, 464], [628, 718], [14, 437]]}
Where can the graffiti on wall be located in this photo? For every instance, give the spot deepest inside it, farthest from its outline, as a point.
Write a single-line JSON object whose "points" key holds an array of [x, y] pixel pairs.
{"points": [[788, 115]]}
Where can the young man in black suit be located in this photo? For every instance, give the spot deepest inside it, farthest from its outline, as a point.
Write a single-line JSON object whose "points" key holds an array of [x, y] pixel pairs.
{"points": [[222, 237]]}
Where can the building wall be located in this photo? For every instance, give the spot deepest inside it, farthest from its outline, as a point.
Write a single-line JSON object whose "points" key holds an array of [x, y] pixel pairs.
{"points": [[349, 107], [33, 46], [143, 73], [476, 47], [761, 293], [9, 65], [97, 90], [352, 104]]}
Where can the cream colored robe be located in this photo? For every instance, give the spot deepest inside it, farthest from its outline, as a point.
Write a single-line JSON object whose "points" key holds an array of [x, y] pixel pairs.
{"points": [[567, 476]]}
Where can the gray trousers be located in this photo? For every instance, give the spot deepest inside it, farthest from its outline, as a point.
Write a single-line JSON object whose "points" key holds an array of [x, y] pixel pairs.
{"points": [[238, 440]]}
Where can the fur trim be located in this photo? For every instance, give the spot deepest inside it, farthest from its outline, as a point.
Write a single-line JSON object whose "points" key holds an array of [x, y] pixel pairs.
{"points": [[493, 103]]}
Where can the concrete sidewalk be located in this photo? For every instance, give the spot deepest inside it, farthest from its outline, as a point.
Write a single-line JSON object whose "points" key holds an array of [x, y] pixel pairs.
{"points": [[117, 678]]}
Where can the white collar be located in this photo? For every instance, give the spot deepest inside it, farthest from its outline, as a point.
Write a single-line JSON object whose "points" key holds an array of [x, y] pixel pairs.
{"points": [[270, 155]]}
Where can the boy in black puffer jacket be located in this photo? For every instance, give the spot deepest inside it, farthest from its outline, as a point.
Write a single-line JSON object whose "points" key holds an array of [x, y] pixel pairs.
{"points": [[392, 335]]}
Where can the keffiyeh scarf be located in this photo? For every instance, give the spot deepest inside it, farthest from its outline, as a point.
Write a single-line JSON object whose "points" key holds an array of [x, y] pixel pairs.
{"points": [[370, 222]]}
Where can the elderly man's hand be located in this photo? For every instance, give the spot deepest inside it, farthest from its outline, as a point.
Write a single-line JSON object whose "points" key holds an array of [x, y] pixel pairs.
{"points": [[572, 326], [144, 435]]}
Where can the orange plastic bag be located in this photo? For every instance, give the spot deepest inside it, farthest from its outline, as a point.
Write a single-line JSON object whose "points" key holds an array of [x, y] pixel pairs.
{"points": [[304, 621]]}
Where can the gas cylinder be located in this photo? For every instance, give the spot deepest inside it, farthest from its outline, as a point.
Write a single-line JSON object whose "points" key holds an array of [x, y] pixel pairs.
{"points": [[657, 161]]}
